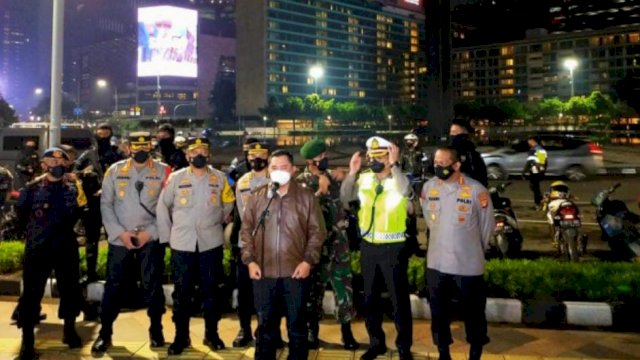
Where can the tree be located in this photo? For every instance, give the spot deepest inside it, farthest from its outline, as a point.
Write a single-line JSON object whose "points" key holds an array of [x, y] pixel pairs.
{"points": [[550, 107], [512, 110], [223, 99], [468, 110], [44, 106], [7, 114]]}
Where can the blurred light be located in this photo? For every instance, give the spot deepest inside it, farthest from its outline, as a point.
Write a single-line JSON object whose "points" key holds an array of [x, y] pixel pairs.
{"points": [[570, 64], [316, 72], [38, 91], [102, 83]]}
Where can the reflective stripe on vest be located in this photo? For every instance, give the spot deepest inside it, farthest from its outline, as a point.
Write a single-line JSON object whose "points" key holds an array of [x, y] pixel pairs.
{"points": [[389, 223]]}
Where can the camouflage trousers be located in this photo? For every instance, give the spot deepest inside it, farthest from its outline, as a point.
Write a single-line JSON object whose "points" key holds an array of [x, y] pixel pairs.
{"points": [[334, 268]]}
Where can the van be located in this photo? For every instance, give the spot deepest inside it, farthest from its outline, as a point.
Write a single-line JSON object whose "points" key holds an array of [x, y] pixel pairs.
{"points": [[12, 140]]}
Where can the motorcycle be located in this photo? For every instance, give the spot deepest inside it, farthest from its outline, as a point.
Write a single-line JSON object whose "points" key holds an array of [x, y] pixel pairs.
{"points": [[9, 225], [620, 227], [565, 221], [507, 239]]}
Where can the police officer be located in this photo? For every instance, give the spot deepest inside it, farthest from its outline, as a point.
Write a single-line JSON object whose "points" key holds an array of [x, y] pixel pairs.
{"points": [[472, 164], [27, 164], [242, 166], [192, 209], [108, 153], [413, 163], [459, 213], [130, 193], [384, 192], [49, 207], [258, 159], [535, 168], [335, 260]]}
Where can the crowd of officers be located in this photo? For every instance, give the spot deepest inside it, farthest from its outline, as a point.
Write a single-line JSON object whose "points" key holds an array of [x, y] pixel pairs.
{"points": [[289, 237]]}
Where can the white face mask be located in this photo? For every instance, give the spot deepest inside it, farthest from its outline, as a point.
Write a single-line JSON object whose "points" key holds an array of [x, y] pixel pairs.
{"points": [[280, 176]]}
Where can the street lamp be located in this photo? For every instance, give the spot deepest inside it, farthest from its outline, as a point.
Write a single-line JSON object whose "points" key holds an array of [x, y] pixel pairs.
{"points": [[570, 64], [316, 72], [37, 91], [102, 83], [389, 117], [264, 128]]}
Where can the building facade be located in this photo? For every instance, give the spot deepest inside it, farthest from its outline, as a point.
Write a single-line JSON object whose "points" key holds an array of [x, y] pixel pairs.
{"points": [[533, 68], [580, 15], [370, 51]]}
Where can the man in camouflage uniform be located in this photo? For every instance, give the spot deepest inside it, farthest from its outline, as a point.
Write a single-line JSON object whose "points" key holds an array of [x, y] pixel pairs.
{"points": [[335, 261]]}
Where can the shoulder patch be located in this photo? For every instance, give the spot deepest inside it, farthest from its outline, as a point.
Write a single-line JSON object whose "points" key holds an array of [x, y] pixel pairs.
{"points": [[484, 199]]}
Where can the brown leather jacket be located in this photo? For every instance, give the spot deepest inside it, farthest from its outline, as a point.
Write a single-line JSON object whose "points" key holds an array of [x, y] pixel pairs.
{"points": [[293, 231]]}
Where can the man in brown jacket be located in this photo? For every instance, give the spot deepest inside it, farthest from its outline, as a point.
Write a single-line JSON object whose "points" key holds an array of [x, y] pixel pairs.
{"points": [[282, 231]]}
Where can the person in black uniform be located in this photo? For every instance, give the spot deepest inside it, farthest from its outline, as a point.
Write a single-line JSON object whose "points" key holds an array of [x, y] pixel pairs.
{"points": [[48, 207], [171, 155], [27, 164], [472, 163], [107, 153]]}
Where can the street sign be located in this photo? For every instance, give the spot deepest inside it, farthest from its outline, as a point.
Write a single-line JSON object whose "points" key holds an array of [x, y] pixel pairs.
{"points": [[78, 111]]}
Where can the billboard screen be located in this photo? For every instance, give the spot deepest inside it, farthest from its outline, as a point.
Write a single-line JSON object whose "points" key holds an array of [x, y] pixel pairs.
{"points": [[167, 41]]}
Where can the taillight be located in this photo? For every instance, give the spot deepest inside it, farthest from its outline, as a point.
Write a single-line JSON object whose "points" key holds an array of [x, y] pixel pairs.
{"points": [[14, 195], [568, 213], [595, 149]]}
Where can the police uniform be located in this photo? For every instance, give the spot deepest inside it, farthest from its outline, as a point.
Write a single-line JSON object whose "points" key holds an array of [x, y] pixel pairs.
{"points": [[536, 166], [191, 213], [50, 209], [244, 187], [382, 221], [335, 260], [129, 197], [459, 215]]}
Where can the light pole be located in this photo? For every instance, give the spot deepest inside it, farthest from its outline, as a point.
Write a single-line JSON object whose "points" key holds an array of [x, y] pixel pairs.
{"points": [[570, 64], [389, 117], [316, 72], [102, 83], [264, 127]]}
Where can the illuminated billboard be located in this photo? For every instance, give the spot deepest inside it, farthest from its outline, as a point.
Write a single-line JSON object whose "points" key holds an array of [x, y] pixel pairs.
{"points": [[167, 41]]}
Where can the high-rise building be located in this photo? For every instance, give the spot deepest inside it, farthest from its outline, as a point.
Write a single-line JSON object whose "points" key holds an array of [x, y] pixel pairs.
{"points": [[16, 55], [579, 15], [370, 51], [534, 68]]}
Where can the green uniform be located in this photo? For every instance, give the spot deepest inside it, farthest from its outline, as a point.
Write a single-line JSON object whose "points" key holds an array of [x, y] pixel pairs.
{"points": [[335, 261]]}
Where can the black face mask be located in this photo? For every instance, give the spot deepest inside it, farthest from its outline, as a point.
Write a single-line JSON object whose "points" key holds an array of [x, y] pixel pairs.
{"points": [[165, 143], [57, 171], [376, 166], [323, 164], [141, 157], [443, 173], [199, 161], [459, 139], [258, 164]]}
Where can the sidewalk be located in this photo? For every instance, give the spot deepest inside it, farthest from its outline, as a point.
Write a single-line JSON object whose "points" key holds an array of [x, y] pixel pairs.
{"points": [[131, 340]]}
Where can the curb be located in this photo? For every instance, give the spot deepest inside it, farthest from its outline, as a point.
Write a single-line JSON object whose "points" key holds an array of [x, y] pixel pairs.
{"points": [[498, 310], [619, 170]]}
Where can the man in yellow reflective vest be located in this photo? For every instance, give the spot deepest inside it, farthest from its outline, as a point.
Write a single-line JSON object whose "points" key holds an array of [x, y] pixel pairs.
{"points": [[535, 168], [382, 192]]}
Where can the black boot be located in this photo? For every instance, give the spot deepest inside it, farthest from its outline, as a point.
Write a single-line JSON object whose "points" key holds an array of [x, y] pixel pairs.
{"points": [[373, 352], [475, 352], [312, 337], [70, 335], [243, 338], [211, 337], [178, 345], [444, 353], [347, 337], [103, 342], [27, 349], [156, 337]]}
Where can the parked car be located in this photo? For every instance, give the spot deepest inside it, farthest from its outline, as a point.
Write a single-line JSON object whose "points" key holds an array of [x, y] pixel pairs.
{"points": [[573, 157]]}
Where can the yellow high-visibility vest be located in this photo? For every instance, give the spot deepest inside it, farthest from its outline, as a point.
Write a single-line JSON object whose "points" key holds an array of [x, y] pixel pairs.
{"points": [[389, 222]]}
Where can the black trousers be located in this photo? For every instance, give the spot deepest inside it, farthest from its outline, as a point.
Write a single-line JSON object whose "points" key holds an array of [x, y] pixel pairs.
{"points": [[269, 296], [187, 267], [92, 222], [387, 263], [471, 292], [60, 255], [245, 296], [151, 263], [534, 185]]}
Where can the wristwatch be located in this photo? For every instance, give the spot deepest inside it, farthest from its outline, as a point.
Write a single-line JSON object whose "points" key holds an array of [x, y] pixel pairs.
{"points": [[397, 163]]}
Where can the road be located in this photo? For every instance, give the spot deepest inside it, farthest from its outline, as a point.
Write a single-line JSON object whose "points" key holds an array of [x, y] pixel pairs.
{"points": [[532, 223]]}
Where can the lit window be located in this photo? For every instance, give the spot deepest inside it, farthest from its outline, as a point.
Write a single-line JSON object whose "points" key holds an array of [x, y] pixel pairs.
{"points": [[331, 92], [309, 81], [362, 93], [509, 62], [414, 49], [506, 50], [634, 37], [507, 92], [285, 89], [506, 82], [273, 56]]}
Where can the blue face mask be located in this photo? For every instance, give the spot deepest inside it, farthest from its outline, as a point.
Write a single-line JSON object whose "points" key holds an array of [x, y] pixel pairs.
{"points": [[141, 156], [57, 171]]}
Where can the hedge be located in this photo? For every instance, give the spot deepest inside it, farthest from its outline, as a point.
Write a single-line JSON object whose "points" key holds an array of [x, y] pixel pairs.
{"points": [[541, 279]]}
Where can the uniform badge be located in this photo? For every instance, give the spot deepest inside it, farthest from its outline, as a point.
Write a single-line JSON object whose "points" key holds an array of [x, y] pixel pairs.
{"points": [[183, 201], [433, 206], [462, 219], [122, 184], [463, 208], [375, 144], [121, 193], [39, 213], [152, 192], [184, 192], [433, 217], [213, 179], [434, 192], [465, 194]]}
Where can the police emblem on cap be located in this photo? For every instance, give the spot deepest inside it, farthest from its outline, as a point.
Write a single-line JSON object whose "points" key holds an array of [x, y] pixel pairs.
{"points": [[375, 144], [198, 141], [258, 147], [141, 139], [57, 154]]}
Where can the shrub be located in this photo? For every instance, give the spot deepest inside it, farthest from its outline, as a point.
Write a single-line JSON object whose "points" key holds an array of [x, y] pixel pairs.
{"points": [[11, 256]]}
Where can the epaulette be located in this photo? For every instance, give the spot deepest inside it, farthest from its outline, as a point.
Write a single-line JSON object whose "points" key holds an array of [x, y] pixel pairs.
{"points": [[260, 189], [36, 181]]}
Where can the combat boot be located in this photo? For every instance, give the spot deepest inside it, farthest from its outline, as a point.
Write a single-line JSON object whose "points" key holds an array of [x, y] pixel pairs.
{"points": [[243, 338], [312, 338], [27, 349], [70, 335], [348, 340]]}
